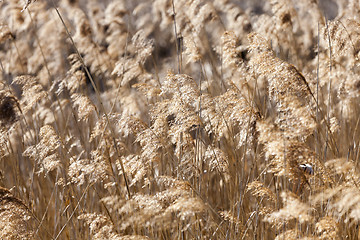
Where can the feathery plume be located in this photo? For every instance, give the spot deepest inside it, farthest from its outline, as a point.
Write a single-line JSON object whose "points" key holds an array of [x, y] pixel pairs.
{"points": [[259, 190], [45, 152], [287, 88], [32, 91], [327, 228], [85, 106], [95, 169], [15, 217], [294, 209], [102, 228]]}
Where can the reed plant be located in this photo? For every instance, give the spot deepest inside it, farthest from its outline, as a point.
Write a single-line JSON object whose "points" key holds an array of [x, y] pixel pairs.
{"points": [[179, 119]]}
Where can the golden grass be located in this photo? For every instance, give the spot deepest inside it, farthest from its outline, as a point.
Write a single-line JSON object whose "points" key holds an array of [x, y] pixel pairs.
{"points": [[179, 119]]}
